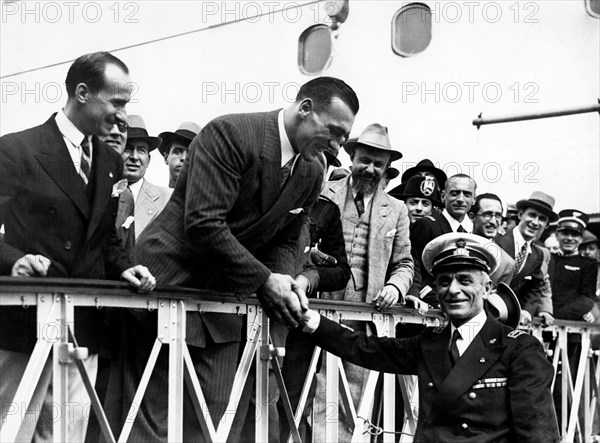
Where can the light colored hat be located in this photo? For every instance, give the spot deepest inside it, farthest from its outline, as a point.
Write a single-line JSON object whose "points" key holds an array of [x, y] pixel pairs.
{"points": [[184, 134], [588, 238], [541, 201], [374, 136], [137, 131], [461, 249]]}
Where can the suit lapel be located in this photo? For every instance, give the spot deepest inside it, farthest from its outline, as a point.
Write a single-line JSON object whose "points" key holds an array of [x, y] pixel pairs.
{"points": [[435, 355], [271, 162], [336, 191], [55, 159], [444, 224], [145, 207], [480, 356], [103, 180]]}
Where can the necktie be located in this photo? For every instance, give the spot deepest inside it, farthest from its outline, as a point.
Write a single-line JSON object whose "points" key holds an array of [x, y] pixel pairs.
{"points": [[126, 231], [286, 171], [461, 229], [520, 259], [454, 355], [86, 160], [359, 200]]}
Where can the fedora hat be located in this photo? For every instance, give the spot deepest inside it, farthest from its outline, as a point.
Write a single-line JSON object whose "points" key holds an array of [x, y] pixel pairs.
{"points": [[426, 165], [418, 187], [588, 238], [504, 306], [137, 131], [542, 202], [374, 136], [184, 134]]}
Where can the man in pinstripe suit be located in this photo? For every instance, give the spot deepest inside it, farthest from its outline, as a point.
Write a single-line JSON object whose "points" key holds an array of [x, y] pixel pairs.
{"points": [[232, 225]]}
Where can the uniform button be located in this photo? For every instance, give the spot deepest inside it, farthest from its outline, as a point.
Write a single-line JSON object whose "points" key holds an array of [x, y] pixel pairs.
{"points": [[464, 426], [68, 245], [472, 395], [53, 210], [430, 385]]}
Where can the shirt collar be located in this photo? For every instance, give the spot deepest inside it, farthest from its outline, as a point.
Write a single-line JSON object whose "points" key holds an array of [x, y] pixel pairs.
{"points": [[287, 152], [520, 241], [68, 129], [470, 329], [467, 224]]}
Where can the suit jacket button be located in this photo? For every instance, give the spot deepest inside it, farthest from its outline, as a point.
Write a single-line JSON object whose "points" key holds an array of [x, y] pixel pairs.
{"points": [[464, 426], [472, 395], [430, 385], [53, 210], [68, 245]]}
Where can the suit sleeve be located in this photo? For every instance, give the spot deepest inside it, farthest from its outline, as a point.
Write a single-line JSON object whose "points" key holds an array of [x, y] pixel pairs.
{"points": [[401, 266], [10, 178], [530, 398], [383, 354]]}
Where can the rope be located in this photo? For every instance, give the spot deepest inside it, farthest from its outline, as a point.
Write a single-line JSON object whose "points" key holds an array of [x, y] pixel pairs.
{"points": [[373, 429]]}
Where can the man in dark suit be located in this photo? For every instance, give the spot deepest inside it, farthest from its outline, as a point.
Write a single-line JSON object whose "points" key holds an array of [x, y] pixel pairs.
{"points": [[530, 281], [59, 190], [232, 224], [479, 380], [458, 196]]}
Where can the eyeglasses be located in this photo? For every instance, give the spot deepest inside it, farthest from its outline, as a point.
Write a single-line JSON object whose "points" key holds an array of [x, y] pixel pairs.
{"points": [[487, 216], [123, 126]]}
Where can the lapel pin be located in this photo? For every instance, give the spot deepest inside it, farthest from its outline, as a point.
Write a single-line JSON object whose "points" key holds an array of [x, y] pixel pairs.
{"points": [[492, 341], [110, 175], [482, 360]]}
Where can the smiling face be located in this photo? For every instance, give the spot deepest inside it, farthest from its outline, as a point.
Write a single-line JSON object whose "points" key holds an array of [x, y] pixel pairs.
{"points": [[116, 139], [569, 241], [322, 128], [532, 223], [368, 167], [136, 158], [418, 208], [104, 108], [487, 220], [459, 196], [461, 293]]}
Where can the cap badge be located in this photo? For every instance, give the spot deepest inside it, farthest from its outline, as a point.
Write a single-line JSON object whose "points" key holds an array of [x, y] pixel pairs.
{"points": [[461, 248], [427, 186], [576, 214]]}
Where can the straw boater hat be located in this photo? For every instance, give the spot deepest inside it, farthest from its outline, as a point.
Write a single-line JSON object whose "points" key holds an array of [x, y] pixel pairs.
{"points": [[184, 135], [542, 202], [374, 136], [137, 131], [504, 306]]}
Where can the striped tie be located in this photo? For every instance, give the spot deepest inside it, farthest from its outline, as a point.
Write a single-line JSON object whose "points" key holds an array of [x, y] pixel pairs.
{"points": [[286, 171], [520, 259], [86, 160], [359, 200]]}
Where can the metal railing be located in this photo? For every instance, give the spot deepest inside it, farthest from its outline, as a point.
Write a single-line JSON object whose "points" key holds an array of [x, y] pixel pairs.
{"points": [[55, 299]]}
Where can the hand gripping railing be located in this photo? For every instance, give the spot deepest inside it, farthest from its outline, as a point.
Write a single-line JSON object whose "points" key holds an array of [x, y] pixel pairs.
{"points": [[54, 300]]}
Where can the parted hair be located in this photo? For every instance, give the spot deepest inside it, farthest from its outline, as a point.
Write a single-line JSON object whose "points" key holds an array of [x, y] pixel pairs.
{"points": [[324, 90], [89, 69], [477, 205]]}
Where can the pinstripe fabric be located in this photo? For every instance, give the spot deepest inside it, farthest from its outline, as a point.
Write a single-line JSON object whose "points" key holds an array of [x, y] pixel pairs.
{"points": [[225, 228]]}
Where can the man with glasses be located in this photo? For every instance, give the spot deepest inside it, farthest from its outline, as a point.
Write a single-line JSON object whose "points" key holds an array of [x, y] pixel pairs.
{"points": [[486, 215]]}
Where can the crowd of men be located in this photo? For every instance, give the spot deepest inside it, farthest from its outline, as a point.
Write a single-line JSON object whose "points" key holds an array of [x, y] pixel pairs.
{"points": [[258, 204]]}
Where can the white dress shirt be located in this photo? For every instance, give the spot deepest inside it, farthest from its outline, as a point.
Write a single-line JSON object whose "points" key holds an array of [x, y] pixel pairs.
{"points": [[467, 224], [73, 138], [468, 332]]}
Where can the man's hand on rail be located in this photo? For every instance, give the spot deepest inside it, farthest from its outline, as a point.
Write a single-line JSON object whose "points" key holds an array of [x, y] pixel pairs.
{"points": [[280, 300], [547, 318], [140, 278], [418, 304], [31, 265]]}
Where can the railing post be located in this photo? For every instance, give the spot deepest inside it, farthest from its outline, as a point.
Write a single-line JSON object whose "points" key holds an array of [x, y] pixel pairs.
{"points": [[389, 387], [175, 313], [262, 382], [331, 391], [60, 369]]}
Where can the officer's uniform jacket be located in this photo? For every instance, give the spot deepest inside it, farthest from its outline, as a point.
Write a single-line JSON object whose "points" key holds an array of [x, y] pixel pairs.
{"points": [[498, 391]]}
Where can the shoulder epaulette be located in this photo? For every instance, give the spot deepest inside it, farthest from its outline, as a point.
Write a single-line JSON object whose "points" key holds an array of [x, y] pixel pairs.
{"points": [[516, 333]]}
